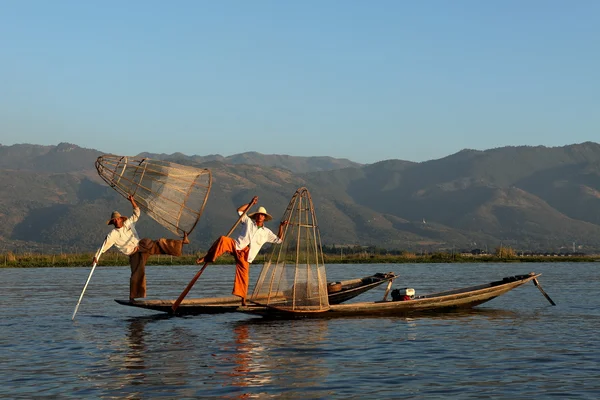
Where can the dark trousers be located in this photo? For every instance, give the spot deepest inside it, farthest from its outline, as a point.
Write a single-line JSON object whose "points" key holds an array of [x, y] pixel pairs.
{"points": [[137, 261]]}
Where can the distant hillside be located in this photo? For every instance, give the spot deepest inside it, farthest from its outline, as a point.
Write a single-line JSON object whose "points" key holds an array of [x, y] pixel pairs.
{"points": [[292, 163], [530, 198], [64, 157]]}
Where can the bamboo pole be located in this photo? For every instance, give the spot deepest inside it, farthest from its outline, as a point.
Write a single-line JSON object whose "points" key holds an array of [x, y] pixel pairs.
{"points": [[88, 281], [537, 284]]}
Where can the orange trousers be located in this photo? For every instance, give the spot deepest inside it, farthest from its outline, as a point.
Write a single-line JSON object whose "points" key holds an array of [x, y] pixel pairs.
{"points": [[137, 261], [226, 244]]}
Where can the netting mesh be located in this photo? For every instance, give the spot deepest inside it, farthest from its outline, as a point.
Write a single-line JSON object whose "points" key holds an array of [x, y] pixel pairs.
{"points": [[293, 279], [173, 195]]}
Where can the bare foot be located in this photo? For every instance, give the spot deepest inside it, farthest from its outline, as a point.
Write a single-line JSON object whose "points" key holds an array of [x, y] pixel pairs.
{"points": [[185, 238], [244, 302], [200, 260]]}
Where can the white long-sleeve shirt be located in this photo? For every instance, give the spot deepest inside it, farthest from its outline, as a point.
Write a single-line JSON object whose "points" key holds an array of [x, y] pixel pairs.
{"points": [[254, 236], [125, 238]]}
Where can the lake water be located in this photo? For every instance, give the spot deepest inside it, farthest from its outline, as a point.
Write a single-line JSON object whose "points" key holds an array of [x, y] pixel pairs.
{"points": [[517, 346]]}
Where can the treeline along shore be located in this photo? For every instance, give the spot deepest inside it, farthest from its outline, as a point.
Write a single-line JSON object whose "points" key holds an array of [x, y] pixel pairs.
{"points": [[10, 260]]}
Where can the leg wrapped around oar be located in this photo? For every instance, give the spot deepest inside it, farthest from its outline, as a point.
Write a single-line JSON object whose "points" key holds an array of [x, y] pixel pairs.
{"points": [[138, 260]]}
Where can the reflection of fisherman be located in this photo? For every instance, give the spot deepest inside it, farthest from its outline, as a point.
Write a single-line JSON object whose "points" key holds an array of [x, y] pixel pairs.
{"points": [[245, 248], [125, 238], [242, 358]]}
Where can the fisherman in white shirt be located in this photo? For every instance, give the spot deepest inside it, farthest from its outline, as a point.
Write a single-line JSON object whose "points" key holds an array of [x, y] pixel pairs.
{"points": [[125, 238], [245, 248]]}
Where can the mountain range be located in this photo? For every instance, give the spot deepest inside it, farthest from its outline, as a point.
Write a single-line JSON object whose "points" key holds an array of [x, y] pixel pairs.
{"points": [[530, 198]]}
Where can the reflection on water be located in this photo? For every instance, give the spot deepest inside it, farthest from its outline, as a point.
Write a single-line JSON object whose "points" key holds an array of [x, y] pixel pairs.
{"points": [[257, 357], [134, 357], [246, 358], [516, 346], [166, 350]]}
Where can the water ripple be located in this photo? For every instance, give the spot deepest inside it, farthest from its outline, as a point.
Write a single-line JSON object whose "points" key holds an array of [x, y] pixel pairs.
{"points": [[516, 346]]}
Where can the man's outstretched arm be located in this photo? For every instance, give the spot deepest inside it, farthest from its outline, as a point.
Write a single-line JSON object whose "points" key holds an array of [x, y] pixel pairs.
{"points": [[243, 208], [132, 201], [281, 232]]}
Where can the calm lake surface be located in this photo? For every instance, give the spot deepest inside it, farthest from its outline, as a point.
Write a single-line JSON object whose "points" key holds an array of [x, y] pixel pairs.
{"points": [[516, 346]]}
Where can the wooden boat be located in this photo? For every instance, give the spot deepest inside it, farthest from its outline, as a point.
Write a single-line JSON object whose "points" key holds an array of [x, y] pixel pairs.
{"points": [[462, 298], [339, 292]]}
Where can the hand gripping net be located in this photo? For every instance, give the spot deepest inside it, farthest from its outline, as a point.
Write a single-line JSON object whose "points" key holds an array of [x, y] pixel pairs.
{"points": [[293, 279], [173, 195]]}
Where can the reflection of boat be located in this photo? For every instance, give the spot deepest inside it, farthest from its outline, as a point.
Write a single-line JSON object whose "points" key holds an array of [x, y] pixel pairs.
{"points": [[339, 292], [436, 302]]}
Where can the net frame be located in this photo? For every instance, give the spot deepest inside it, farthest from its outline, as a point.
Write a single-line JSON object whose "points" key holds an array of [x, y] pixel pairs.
{"points": [[173, 195], [293, 279]]}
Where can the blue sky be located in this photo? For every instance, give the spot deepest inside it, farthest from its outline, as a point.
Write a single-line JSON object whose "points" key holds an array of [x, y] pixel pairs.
{"points": [[363, 80]]}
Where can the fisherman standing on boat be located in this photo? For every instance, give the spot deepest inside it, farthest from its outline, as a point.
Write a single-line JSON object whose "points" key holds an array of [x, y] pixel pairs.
{"points": [[125, 238], [245, 248]]}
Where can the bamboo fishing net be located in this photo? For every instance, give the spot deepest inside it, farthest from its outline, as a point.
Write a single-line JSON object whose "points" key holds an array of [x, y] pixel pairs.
{"points": [[293, 279], [173, 195]]}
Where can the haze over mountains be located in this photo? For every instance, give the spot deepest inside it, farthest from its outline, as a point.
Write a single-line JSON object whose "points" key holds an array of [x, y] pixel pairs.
{"points": [[530, 198]]}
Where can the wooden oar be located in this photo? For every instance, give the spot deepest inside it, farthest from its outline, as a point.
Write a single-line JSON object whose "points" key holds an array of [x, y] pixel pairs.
{"points": [[387, 290], [86, 283], [537, 284], [195, 278]]}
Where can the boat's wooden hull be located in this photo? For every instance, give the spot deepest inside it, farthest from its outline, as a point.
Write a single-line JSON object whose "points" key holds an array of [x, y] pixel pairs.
{"points": [[219, 305], [437, 302]]}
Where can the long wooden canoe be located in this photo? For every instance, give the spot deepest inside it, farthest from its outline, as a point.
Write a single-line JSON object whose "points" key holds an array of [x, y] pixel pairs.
{"points": [[466, 297], [339, 292]]}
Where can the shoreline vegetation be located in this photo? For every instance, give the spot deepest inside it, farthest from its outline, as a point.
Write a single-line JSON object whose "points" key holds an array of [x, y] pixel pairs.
{"points": [[10, 260]]}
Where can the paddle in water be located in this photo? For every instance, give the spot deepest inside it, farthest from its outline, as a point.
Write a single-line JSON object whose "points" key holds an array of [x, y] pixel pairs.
{"points": [[537, 284], [86, 283]]}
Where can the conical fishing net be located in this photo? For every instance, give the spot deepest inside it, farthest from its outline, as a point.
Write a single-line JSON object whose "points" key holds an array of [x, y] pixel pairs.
{"points": [[293, 279], [173, 195]]}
